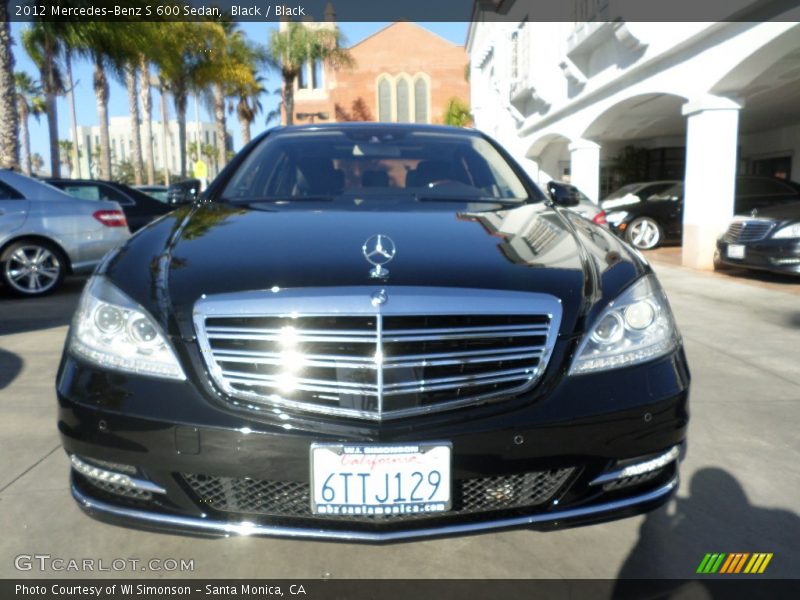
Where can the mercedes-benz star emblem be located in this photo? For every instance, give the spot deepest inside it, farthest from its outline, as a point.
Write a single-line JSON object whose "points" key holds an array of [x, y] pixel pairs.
{"points": [[378, 250]]}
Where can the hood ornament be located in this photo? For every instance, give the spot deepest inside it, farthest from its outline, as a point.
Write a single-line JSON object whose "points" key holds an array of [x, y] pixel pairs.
{"points": [[379, 250], [754, 212]]}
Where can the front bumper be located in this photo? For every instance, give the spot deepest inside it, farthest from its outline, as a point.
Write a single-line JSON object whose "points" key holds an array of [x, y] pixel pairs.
{"points": [[168, 430], [778, 256]]}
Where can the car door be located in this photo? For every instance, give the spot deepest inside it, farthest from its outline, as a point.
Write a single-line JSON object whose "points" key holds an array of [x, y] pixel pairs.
{"points": [[13, 211]]}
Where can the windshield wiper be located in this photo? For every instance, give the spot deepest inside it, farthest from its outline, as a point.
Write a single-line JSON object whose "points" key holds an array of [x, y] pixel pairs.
{"points": [[468, 199], [276, 199]]}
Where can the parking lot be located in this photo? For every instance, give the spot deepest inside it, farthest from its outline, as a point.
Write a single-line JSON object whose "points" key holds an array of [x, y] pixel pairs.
{"points": [[739, 489]]}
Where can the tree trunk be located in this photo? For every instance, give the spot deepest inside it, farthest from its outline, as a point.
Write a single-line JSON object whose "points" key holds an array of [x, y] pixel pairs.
{"points": [[244, 124], [24, 133], [101, 93], [131, 82], [180, 112], [50, 93], [9, 144], [147, 120], [219, 120], [76, 159], [52, 128], [165, 145], [288, 97]]}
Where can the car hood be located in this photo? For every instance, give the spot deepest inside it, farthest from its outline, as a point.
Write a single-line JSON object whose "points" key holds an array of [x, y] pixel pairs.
{"points": [[218, 248], [780, 212]]}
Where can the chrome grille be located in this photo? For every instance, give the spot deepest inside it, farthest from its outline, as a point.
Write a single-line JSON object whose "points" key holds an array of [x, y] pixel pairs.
{"points": [[747, 230], [339, 352], [293, 498]]}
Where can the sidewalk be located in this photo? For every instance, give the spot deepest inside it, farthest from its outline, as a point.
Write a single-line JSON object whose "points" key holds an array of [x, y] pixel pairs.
{"points": [[671, 255]]}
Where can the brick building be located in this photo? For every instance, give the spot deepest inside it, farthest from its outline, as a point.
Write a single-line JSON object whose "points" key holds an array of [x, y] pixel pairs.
{"points": [[403, 73]]}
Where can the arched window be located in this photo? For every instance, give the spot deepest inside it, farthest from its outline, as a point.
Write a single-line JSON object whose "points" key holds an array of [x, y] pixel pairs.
{"points": [[421, 100], [403, 111], [384, 100]]}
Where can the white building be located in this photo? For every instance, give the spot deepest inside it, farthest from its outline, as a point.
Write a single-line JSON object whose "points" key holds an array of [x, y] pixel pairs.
{"points": [[122, 144], [699, 101]]}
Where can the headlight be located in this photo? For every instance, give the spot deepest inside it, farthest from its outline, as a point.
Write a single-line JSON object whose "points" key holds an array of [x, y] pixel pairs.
{"points": [[111, 330], [788, 232], [636, 327], [616, 217]]}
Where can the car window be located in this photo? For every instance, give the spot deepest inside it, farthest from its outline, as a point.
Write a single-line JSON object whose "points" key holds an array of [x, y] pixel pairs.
{"points": [[84, 192], [756, 186], [96, 191], [9, 193], [374, 163], [623, 191], [648, 192]]}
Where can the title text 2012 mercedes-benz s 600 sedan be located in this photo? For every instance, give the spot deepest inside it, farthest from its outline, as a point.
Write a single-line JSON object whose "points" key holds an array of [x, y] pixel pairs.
{"points": [[372, 332]]}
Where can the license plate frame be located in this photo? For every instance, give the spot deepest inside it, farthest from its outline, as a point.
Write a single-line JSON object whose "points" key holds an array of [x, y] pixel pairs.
{"points": [[439, 503], [736, 251]]}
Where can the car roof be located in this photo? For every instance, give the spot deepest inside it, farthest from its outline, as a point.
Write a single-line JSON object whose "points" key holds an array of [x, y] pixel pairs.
{"points": [[31, 188]]}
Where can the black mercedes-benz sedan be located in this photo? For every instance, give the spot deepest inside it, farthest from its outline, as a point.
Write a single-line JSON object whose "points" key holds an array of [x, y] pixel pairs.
{"points": [[768, 240], [372, 332]]}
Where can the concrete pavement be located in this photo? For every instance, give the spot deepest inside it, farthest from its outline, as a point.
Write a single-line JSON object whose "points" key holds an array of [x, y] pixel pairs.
{"points": [[739, 491]]}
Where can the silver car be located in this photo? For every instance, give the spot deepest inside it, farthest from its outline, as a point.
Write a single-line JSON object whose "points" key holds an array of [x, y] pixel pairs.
{"points": [[46, 234]]}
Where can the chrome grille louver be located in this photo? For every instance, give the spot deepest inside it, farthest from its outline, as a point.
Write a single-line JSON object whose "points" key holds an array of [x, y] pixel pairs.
{"points": [[341, 352], [747, 230]]}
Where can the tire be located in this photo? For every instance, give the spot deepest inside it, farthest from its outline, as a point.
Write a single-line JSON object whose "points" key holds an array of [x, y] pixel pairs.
{"points": [[32, 268], [644, 233]]}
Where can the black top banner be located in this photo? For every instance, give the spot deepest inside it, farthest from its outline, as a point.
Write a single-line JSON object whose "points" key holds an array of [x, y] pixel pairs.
{"points": [[408, 10]]}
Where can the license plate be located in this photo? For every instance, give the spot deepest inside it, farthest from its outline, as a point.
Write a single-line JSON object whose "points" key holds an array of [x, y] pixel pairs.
{"points": [[380, 479], [735, 251]]}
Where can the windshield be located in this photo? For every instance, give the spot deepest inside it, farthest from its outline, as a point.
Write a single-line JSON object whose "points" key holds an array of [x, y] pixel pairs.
{"points": [[374, 162]]}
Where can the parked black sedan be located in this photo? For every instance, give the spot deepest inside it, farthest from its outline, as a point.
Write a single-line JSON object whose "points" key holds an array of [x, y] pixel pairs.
{"points": [[139, 208], [372, 332], [769, 240], [649, 222]]}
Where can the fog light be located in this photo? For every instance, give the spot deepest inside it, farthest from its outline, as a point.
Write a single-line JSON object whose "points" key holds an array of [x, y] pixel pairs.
{"points": [[639, 467], [98, 474]]}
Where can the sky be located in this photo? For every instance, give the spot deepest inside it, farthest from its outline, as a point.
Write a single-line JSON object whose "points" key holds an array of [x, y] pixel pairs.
{"points": [[86, 106]]}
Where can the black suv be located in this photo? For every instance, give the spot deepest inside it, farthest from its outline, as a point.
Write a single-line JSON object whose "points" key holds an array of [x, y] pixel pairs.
{"points": [[372, 332]]}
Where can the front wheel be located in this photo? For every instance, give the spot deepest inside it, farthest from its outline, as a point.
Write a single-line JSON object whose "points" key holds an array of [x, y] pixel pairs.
{"points": [[32, 268], [644, 233]]}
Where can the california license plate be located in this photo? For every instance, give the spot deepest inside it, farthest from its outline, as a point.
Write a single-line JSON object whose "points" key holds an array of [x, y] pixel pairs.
{"points": [[380, 479], [735, 251]]}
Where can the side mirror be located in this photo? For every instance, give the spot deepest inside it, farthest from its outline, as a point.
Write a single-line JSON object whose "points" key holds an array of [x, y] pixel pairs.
{"points": [[562, 194]]}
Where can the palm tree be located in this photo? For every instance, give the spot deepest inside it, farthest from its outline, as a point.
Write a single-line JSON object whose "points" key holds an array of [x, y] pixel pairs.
{"points": [[232, 66], [43, 43], [37, 162], [248, 105], [142, 43], [147, 117], [107, 46], [9, 145], [185, 54], [66, 148], [294, 45], [70, 89], [29, 102]]}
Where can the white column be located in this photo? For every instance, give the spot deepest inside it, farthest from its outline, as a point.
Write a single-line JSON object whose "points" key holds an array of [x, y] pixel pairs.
{"points": [[711, 141], [585, 168]]}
